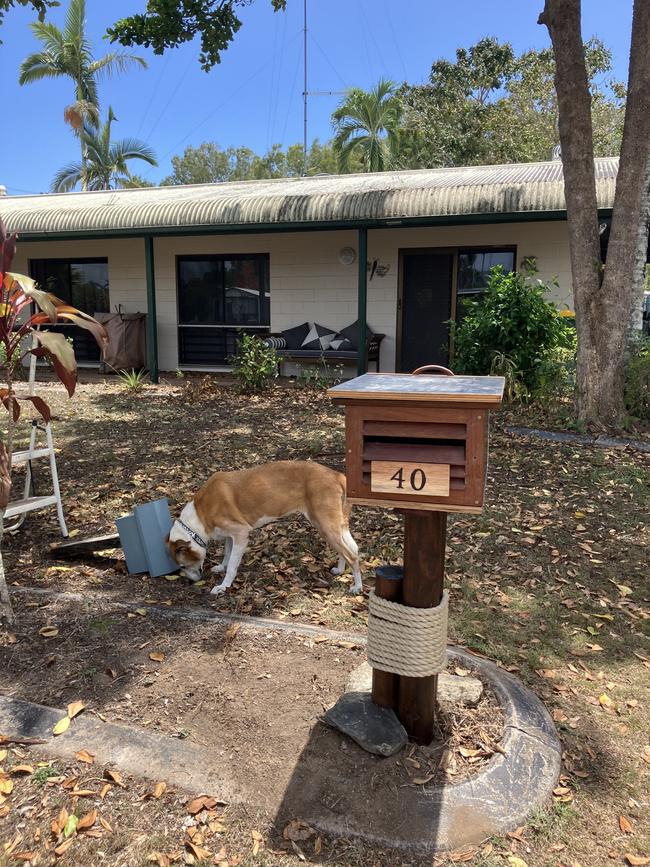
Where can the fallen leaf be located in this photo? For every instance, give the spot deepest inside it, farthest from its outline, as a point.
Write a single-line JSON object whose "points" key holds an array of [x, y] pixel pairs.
{"points": [[6, 786], [157, 657], [85, 757], [49, 631], [24, 856], [158, 790], [87, 821], [198, 851], [625, 825], [105, 790], [71, 825], [75, 708], [160, 859], [141, 611], [318, 845], [3, 755], [105, 825], [62, 726], [636, 860], [22, 769], [605, 701], [461, 672], [297, 830], [203, 802], [516, 861], [63, 848], [115, 776]]}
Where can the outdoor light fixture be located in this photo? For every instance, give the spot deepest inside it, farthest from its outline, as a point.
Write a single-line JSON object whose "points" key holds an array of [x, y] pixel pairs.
{"points": [[347, 255]]}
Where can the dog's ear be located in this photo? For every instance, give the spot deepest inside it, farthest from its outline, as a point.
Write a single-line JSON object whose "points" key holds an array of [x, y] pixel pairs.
{"points": [[167, 539]]}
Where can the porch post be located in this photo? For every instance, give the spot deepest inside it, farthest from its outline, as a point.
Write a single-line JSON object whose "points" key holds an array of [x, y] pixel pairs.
{"points": [[152, 322], [362, 301]]}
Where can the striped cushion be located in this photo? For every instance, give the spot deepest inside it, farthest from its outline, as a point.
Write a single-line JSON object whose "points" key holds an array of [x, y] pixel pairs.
{"points": [[276, 342]]}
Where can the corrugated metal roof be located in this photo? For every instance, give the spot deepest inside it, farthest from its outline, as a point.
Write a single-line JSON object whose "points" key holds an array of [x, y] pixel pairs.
{"points": [[523, 188]]}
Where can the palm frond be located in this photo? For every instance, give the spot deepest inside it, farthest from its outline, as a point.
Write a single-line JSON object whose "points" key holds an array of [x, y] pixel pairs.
{"points": [[39, 66], [66, 178], [75, 21], [49, 34], [132, 149], [115, 62]]}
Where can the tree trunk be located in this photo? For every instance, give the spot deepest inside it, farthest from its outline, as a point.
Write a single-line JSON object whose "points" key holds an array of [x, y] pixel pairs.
{"points": [[603, 300]]}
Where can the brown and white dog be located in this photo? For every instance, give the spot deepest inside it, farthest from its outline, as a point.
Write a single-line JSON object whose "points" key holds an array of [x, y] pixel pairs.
{"points": [[232, 504]]}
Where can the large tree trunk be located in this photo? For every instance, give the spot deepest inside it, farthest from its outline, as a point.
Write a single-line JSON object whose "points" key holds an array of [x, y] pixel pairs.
{"points": [[603, 300]]}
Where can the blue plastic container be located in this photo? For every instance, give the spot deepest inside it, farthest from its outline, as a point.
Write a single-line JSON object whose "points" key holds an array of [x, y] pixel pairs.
{"points": [[142, 536]]}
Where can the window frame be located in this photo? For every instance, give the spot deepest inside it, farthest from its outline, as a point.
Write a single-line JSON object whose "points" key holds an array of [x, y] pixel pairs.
{"points": [[218, 257], [484, 248]]}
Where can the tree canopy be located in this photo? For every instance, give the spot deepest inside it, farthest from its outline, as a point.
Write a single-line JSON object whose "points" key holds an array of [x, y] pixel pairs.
{"points": [[208, 163], [493, 106], [39, 6], [170, 23]]}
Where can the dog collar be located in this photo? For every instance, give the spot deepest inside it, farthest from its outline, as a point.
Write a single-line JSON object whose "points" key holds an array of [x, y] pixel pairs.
{"points": [[193, 535]]}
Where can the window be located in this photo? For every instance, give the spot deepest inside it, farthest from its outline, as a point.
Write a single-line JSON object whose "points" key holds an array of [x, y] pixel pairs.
{"points": [[218, 297], [82, 283], [474, 268]]}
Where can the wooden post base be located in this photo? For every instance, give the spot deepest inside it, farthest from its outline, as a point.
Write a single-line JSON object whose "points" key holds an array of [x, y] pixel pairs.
{"points": [[388, 585], [422, 587]]}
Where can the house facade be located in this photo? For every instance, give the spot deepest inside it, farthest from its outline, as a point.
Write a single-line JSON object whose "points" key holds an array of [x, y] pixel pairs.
{"points": [[397, 250]]}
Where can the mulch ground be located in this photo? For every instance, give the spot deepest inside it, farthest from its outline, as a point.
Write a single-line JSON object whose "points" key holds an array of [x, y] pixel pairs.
{"points": [[551, 581]]}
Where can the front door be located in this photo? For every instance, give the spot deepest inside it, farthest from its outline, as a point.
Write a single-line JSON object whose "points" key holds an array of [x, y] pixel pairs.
{"points": [[424, 308]]}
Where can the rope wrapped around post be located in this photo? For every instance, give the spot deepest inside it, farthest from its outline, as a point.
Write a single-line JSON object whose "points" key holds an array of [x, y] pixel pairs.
{"points": [[407, 641]]}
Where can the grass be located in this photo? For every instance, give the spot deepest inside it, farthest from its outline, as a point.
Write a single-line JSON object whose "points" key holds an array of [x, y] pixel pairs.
{"points": [[551, 580]]}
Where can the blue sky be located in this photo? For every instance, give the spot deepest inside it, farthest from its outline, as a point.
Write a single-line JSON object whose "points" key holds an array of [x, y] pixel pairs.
{"points": [[254, 96]]}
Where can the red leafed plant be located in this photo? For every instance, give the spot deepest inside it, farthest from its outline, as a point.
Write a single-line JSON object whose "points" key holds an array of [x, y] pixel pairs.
{"points": [[20, 335]]}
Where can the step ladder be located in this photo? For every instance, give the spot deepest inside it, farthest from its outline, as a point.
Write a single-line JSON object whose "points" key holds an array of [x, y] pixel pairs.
{"points": [[19, 508]]}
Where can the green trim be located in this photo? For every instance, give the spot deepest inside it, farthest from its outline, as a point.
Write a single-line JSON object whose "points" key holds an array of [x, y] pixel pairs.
{"points": [[152, 319], [362, 302], [314, 226]]}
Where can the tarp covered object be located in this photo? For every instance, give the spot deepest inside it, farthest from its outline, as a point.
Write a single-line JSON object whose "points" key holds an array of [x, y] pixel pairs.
{"points": [[127, 341]]}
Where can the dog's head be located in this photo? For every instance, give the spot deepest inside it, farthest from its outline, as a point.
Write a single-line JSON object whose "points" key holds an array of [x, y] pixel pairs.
{"points": [[187, 554]]}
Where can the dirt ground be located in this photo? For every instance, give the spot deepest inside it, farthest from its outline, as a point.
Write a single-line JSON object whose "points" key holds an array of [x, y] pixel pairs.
{"points": [[551, 581]]}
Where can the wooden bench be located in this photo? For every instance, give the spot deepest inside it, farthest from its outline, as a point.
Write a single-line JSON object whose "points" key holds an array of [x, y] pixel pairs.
{"points": [[333, 356]]}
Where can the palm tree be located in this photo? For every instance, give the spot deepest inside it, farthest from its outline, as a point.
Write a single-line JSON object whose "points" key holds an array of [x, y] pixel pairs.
{"points": [[105, 164], [67, 53], [366, 125]]}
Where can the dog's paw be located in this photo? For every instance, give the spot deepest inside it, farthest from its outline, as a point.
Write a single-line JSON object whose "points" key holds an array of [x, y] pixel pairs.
{"points": [[336, 571], [218, 590], [356, 589], [218, 570]]}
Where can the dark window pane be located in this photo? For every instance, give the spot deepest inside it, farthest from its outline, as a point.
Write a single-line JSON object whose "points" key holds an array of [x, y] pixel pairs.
{"points": [[474, 268], [200, 296], [89, 286], [82, 283], [205, 347], [246, 292]]}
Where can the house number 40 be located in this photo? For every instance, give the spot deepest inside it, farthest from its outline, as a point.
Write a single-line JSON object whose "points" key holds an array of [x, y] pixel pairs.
{"points": [[411, 479]]}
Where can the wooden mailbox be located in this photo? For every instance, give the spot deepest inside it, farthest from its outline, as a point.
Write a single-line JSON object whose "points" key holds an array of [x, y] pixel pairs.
{"points": [[416, 441]]}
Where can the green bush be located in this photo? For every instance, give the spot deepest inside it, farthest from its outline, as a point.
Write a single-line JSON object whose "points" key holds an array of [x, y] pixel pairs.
{"points": [[255, 365], [513, 325], [637, 381]]}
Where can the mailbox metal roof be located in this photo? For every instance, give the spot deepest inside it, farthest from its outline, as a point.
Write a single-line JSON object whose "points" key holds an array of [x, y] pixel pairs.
{"points": [[487, 390], [464, 194]]}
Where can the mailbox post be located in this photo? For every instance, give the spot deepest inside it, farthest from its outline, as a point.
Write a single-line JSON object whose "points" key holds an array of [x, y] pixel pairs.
{"points": [[416, 443]]}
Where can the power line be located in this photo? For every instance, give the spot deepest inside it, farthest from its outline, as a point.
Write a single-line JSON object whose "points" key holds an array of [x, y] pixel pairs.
{"points": [[291, 95], [329, 62], [154, 92], [220, 105], [395, 40], [171, 98]]}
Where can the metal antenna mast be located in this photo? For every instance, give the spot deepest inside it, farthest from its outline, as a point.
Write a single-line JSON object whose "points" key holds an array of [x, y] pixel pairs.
{"points": [[306, 94]]}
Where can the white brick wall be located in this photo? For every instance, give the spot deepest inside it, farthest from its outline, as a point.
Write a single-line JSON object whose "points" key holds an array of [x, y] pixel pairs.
{"points": [[307, 281]]}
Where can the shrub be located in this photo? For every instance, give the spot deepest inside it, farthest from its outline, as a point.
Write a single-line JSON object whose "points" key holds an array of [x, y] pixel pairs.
{"points": [[514, 322], [637, 381], [255, 365]]}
